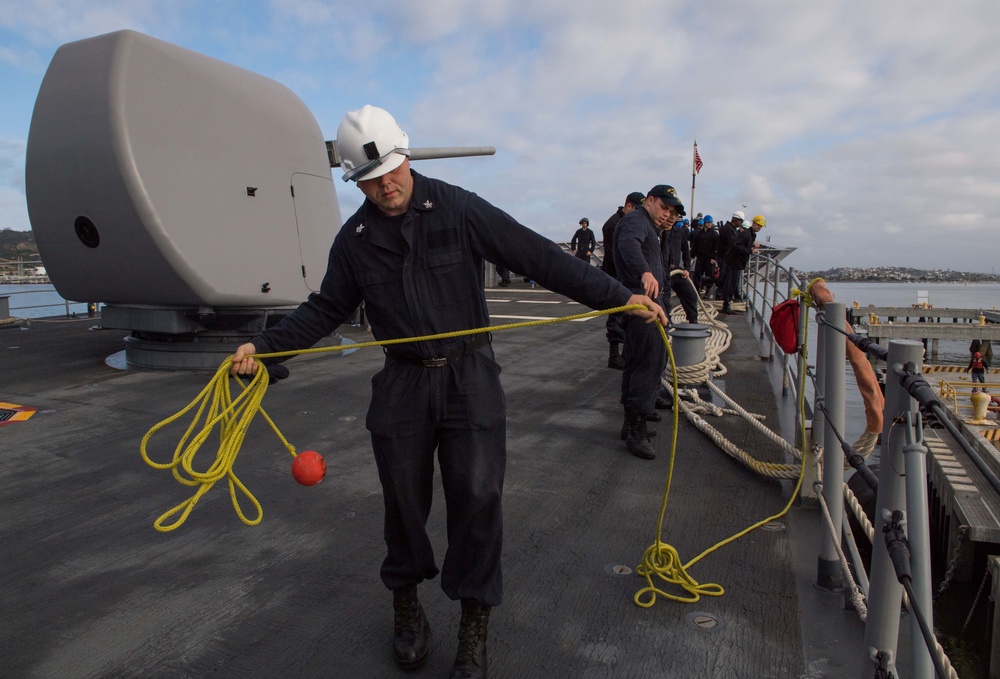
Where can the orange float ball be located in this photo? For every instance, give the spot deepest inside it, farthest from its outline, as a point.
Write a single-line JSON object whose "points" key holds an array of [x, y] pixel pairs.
{"points": [[309, 468]]}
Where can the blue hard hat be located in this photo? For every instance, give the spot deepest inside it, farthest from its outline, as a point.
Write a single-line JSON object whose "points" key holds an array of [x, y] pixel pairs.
{"points": [[708, 219]]}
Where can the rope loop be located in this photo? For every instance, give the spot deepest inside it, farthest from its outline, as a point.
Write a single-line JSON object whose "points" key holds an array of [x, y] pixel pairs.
{"points": [[215, 407]]}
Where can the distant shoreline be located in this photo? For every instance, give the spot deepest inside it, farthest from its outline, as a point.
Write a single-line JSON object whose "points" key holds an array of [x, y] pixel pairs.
{"points": [[898, 275]]}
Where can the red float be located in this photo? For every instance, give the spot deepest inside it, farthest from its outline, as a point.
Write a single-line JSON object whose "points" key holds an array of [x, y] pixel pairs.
{"points": [[309, 468]]}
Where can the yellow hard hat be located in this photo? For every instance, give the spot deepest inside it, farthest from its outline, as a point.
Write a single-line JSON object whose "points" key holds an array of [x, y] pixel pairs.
{"points": [[759, 219]]}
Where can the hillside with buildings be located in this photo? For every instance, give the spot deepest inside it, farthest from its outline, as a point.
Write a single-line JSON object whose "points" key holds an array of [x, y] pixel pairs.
{"points": [[14, 244], [899, 274]]}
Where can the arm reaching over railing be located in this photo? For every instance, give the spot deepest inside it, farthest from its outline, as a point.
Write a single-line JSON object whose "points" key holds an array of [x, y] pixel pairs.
{"points": [[864, 375]]}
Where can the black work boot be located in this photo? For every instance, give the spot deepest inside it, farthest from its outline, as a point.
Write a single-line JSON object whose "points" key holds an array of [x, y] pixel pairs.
{"points": [[470, 661], [411, 629], [637, 439], [625, 427], [615, 358]]}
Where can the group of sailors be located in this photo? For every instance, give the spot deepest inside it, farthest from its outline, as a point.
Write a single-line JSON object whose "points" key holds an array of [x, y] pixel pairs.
{"points": [[719, 253], [695, 257]]}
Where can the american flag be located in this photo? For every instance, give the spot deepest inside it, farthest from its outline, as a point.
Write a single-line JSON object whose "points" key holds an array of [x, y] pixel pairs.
{"points": [[697, 160]]}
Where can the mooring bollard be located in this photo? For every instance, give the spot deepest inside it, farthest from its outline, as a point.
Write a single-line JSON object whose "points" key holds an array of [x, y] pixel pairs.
{"points": [[688, 343]]}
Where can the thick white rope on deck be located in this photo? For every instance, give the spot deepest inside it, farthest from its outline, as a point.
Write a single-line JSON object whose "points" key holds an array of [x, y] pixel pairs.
{"points": [[770, 469], [862, 518], [719, 340], [859, 513], [856, 595], [755, 421]]}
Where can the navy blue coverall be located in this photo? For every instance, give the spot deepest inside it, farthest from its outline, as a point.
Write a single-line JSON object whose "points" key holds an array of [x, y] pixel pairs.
{"points": [[637, 250], [420, 274], [613, 326], [583, 243], [677, 255], [736, 260]]}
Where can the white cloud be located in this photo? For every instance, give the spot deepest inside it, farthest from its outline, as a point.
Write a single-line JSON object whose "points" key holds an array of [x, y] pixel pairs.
{"points": [[862, 131]]}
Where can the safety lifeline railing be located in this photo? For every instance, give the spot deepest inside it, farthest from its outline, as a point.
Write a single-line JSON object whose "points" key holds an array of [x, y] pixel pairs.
{"points": [[901, 544], [18, 305]]}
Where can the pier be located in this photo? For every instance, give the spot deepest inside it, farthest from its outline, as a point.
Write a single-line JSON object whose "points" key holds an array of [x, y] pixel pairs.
{"points": [[925, 323]]}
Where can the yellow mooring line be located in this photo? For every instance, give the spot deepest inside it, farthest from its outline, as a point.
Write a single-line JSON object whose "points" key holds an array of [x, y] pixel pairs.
{"points": [[216, 406]]}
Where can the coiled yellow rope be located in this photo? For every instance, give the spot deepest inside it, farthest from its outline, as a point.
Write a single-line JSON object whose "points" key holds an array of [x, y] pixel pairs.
{"points": [[662, 560], [217, 407]]}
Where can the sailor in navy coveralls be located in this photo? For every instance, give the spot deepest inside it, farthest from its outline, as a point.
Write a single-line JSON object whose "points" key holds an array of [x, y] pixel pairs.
{"points": [[414, 252], [639, 264]]}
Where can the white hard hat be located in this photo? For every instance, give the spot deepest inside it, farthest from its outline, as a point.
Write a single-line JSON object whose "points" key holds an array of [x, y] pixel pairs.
{"points": [[370, 143], [739, 215]]}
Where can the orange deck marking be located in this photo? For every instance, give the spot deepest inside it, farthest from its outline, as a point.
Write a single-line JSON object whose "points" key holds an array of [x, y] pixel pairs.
{"points": [[11, 412]]}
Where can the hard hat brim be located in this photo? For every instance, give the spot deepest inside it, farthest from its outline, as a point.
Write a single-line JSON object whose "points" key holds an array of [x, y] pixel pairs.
{"points": [[385, 165]]}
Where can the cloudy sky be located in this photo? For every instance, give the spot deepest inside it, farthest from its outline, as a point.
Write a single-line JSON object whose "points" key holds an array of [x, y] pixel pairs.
{"points": [[865, 132]]}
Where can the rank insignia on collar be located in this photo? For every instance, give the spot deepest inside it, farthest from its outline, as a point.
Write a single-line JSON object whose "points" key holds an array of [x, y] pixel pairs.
{"points": [[360, 229], [428, 205]]}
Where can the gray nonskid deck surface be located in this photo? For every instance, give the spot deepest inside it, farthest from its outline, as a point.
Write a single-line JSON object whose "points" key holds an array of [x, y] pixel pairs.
{"points": [[92, 590]]}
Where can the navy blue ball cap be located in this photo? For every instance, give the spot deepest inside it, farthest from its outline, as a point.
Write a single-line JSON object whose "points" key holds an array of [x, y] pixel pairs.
{"points": [[668, 195], [635, 198]]}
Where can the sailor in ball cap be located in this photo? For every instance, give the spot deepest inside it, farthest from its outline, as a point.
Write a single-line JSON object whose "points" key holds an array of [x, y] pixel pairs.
{"points": [[613, 326], [639, 264]]}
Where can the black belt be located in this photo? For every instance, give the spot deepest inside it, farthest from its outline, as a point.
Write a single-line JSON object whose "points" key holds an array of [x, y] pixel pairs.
{"points": [[479, 340]]}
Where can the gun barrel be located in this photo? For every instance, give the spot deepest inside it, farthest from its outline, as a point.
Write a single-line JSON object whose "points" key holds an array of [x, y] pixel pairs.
{"points": [[427, 153], [424, 153]]}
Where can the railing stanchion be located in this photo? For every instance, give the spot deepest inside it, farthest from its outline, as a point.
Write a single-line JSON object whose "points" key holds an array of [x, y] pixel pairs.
{"points": [[763, 305], [885, 594], [918, 535], [833, 358], [817, 428]]}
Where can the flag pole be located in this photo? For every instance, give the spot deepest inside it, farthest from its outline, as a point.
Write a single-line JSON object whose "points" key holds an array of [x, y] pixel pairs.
{"points": [[694, 172]]}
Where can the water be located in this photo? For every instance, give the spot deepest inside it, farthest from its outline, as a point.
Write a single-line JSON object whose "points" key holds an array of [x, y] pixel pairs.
{"points": [[38, 300], [940, 295]]}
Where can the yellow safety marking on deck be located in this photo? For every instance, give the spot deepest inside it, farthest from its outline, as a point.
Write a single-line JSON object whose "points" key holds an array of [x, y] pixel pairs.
{"points": [[12, 412], [960, 488]]}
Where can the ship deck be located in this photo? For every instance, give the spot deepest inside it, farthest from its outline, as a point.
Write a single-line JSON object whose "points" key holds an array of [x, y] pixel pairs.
{"points": [[92, 590]]}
